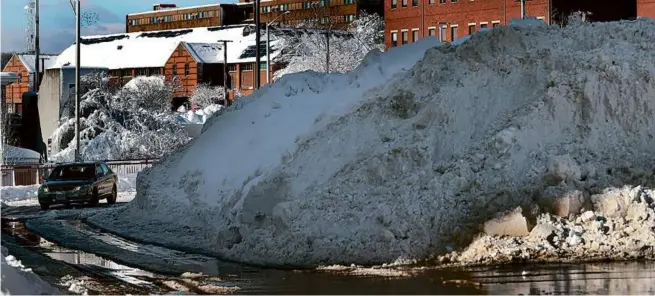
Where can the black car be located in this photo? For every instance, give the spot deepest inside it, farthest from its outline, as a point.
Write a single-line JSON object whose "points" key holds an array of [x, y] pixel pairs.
{"points": [[78, 183]]}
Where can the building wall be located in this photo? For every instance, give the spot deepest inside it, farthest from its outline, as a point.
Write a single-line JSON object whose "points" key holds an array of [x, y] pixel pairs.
{"points": [[15, 90], [646, 8], [339, 13], [424, 15], [169, 19], [49, 102], [179, 61]]}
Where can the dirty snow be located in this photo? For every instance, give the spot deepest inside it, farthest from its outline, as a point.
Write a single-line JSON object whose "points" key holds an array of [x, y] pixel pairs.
{"points": [[400, 159], [19, 280]]}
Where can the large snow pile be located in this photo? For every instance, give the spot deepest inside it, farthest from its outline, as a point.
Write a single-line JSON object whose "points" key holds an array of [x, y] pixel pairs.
{"points": [[371, 166], [18, 280]]}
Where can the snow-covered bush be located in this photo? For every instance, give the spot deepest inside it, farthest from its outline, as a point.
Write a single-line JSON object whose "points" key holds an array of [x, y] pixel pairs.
{"points": [[347, 48], [206, 95], [131, 123]]}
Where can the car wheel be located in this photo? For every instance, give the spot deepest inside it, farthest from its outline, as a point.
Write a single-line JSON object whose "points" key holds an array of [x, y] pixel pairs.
{"points": [[44, 206], [112, 199], [94, 199]]}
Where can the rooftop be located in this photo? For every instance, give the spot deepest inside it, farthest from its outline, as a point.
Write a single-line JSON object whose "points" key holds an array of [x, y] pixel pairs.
{"points": [[177, 8]]}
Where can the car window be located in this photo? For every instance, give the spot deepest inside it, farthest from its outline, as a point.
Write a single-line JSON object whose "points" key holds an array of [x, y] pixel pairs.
{"points": [[99, 171], [72, 172], [105, 169]]}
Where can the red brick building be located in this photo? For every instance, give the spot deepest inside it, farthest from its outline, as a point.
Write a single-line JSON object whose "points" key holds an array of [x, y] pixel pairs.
{"points": [[169, 17], [24, 67], [409, 20]]}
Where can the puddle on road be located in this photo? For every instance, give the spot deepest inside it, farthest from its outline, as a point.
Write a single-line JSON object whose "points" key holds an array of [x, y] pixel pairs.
{"points": [[600, 278]]}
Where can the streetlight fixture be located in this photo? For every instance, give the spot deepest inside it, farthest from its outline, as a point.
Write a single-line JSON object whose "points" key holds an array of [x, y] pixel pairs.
{"points": [[268, 47]]}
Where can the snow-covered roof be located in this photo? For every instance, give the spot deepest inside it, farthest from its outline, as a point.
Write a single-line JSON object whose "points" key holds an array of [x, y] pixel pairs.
{"points": [[28, 61], [8, 78], [17, 155], [153, 49], [206, 53]]}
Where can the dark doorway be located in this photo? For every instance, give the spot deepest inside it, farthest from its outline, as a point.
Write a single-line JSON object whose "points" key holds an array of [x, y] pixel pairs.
{"points": [[601, 10]]}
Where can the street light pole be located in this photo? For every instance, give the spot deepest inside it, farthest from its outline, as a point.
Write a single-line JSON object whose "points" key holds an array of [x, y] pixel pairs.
{"points": [[77, 80], [268, 47], [522, 9]]}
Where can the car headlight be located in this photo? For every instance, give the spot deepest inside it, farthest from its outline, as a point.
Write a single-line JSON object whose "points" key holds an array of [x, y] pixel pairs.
{"points": [[78, 188], [44, 189]]}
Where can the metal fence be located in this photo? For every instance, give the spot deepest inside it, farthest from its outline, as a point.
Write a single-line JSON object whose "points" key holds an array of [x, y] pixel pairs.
{"points": [[22, 175]]}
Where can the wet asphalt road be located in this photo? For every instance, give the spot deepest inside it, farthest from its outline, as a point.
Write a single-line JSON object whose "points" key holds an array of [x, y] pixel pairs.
{"points": [[60, 248]]}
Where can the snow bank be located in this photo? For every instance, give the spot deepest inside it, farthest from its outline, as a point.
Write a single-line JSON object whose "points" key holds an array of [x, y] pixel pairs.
{"points": [[198, 116], [381, 163], [17, 193], [18, 280], [138, 82]]}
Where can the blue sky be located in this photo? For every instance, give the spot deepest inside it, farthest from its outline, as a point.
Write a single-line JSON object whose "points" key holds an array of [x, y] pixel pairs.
{"points": [[58, 22]]}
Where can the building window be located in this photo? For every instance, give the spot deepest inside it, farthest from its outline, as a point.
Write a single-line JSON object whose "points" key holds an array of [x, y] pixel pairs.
{"points": [[404, 3], [414, 35], [394, 4], [325, 20], [394, 39], [453, 1], [306, 5], [432, 31], [20, 78], [348, 1], [262, 66], [142, 72], [483, 26], [414, 2], [430, 2], [153, 72], [442, 1], [404, 37], [349, 17], [126, 73], [471, 29], [324, 3], [495, 25], [232, 67], [246, 67], [186, 69], [442, 33], [174, 69], [453, 32], [284, 7]]}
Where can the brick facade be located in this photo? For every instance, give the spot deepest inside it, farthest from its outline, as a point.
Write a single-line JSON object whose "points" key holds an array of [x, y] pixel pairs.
{"points": [[646, 8], [338, 13], [14, 91], [189, 17], [412, 18], [407, 20]]}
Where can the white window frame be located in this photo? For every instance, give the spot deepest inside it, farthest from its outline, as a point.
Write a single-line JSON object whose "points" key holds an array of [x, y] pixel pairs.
{"points": [[418, 35], [451, 31], [395, 43], [442, 28], [541, 18], [401, 36], [436, 33]]}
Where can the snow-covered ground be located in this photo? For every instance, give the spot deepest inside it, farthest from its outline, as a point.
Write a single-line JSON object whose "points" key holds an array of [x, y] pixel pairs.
{"points": [[409, 154], [18, 193], [19, 280]]}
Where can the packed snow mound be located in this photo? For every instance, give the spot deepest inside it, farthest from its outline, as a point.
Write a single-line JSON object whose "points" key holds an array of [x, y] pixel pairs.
{"points": [[19, 280], [329, 169]]}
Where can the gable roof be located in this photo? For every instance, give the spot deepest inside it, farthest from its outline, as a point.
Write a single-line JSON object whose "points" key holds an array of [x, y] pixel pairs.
{"points": [[28, 61], [206, 53], [153, 49]]}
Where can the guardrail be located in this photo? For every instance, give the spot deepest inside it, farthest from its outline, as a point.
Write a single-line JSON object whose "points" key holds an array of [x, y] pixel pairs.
{"points": [[23, 175]]}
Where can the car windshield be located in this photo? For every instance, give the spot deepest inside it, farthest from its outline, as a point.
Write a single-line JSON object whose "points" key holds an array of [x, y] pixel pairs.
{"points": [[72, 172]]}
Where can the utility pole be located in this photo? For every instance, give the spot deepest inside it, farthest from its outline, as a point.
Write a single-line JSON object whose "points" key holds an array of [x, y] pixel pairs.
{"points": [[225, 71], [37, 50], [257, 44], [77, 80], [522, 9]]}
